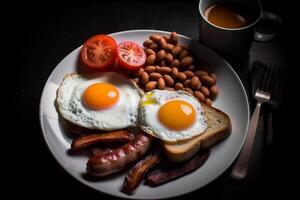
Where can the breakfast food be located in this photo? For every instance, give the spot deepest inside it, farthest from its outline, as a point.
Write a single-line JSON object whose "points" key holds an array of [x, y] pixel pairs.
{"points": [[218, 128], [110, 162], [130, 55], [159, 93], [95, 150], [171, 115], [170, 171], [136, 174], [99, 52], [114, 136], [104, 101], [173, 65]]}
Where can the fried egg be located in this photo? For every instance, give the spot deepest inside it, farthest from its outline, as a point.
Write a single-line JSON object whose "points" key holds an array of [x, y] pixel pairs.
{"points": [[171, 115], [104, 101]]}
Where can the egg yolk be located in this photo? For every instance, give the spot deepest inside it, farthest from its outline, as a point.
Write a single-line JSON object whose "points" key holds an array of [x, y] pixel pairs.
{"points": [[100, 96], [177, 115]]}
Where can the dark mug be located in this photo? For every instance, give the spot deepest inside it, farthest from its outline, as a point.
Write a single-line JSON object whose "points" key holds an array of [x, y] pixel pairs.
{"points": [[232, 43]]}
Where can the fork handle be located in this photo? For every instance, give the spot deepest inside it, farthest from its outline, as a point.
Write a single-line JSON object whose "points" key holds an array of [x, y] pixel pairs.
{"points": [[240, 168]]}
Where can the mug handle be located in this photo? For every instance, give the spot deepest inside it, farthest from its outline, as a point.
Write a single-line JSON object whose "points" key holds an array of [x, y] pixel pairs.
{"points": [[266, 37]]}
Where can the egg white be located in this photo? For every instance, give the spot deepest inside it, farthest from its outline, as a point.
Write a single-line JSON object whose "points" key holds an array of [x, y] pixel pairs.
{"points": [[150, 104], [121, 115]]}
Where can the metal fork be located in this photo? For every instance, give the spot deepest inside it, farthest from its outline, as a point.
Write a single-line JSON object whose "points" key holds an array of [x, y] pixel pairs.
{"points": [[262, 95]]}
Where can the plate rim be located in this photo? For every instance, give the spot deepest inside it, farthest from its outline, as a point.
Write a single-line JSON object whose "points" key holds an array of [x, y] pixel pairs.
{"points": [[132, 197]]}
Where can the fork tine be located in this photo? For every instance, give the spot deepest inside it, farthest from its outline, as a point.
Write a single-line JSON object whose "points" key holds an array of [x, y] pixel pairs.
{"points": [[265, 78], [265, 85], [262, 79], [268, 79], [273, 78]]}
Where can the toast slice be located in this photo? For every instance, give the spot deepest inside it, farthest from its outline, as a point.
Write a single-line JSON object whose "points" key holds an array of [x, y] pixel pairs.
{"points": [[218, 128]]}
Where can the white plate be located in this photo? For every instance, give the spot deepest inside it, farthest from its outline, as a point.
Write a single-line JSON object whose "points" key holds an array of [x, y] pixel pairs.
{"points": [[232, 100]]}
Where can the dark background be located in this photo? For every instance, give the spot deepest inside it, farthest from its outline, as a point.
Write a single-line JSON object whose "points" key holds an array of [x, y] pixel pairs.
{"points": [[43, 33]]}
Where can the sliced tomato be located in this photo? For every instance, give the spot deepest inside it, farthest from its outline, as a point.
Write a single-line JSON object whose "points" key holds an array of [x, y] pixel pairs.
{"points": [[99, 52], [131, 56]]}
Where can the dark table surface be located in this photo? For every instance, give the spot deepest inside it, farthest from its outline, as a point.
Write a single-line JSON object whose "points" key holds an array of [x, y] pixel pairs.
{"points": [[50, 31]]}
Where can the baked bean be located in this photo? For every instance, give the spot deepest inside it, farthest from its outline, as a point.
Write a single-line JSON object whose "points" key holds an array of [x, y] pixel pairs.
{"points": [[153, 46], [200, 73], [207, 80], [161, 43], [176, 51], [186, 62], [187, 82], [164, 70], [150, 60], [175, 63], [199, 96], [214, 76], [139, 72], [195, 82], [160, 55], [168, 80], [161, 83], [147, 43], [189, 74], [169, 47], [174, 72], [144, 78], [150, 85], [174, 38], [208, 102], [184, 53], [198, 86], [167, 38], [150, 69], [149, 52], [181, 76], [155, 76], [154, 37], [205, 91], [214, 90], [178, 86], [169, 58]]}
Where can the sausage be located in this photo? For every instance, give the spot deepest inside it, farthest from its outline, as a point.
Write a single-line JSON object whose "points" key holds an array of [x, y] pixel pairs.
{"points": [[118, 159]]}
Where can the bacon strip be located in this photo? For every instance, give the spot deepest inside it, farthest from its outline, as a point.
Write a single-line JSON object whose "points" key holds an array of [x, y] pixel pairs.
{"points": [[136, 174], [115, 136], [169, 173]]}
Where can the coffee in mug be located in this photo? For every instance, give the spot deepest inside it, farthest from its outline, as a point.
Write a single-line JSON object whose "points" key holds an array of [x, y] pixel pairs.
{"points": [[228, 15]]}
